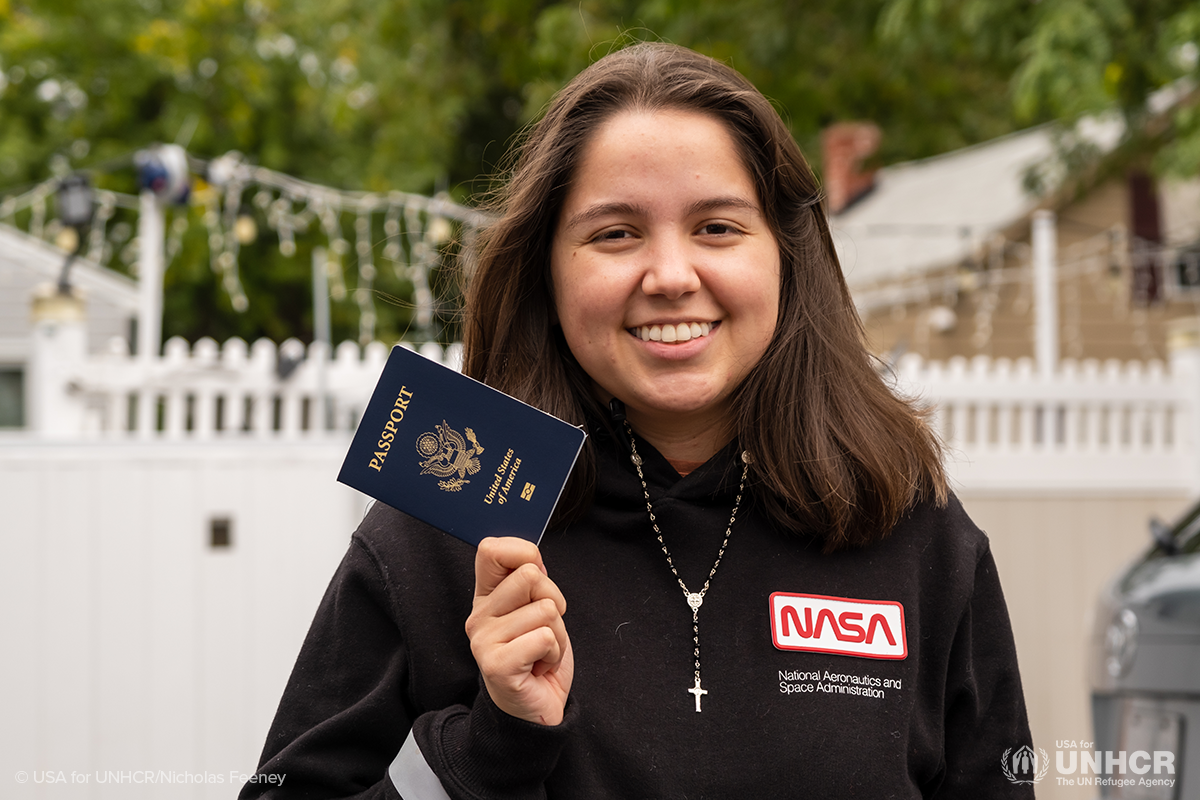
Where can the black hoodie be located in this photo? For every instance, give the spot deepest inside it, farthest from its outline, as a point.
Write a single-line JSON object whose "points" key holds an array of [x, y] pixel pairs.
{"points": [[387, 654]]}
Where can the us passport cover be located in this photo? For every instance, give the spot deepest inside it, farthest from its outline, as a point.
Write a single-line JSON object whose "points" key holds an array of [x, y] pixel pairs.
{"points": [[458, 454]]}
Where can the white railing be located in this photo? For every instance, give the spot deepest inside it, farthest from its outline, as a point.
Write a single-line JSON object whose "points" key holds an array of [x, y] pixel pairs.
{"points": [[231, 392], [1085, 426], [1089, 425], [258, 392]]}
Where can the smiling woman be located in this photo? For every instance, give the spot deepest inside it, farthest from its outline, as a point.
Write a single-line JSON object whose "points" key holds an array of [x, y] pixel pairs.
{"points": [[661, 232], [755, 516]]}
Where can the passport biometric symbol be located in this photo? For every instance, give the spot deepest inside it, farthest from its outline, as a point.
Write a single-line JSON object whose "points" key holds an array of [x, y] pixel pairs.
{"points": [[447, 454]]}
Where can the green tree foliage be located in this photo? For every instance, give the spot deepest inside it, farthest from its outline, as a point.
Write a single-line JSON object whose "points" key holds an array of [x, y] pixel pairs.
{"points": [[427, 95], [1075, 57]]}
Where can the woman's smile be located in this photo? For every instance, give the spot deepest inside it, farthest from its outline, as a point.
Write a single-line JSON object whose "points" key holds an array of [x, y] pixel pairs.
{"points": [[672, 332]]}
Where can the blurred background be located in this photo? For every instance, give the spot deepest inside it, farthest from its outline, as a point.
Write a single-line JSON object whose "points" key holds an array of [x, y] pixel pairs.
{"points": [[216, 216]]}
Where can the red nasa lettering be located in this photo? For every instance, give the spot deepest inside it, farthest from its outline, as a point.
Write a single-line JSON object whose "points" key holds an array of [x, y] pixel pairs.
{"points": [[838, 625]]}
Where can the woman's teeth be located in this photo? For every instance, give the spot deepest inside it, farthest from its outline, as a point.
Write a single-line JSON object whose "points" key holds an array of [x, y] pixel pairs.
{"points": [[684, 331]]}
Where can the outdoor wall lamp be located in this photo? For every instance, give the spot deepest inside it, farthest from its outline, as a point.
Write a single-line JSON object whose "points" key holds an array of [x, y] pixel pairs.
{"points": [[75, 209]]}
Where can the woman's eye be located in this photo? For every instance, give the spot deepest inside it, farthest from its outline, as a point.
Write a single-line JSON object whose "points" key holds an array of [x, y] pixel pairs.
{"points": [[612, 236], [717, 229]]}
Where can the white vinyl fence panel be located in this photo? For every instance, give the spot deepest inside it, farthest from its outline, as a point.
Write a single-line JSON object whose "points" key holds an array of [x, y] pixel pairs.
{"points": [[1090, 426], [131, 643], [231, 392]]}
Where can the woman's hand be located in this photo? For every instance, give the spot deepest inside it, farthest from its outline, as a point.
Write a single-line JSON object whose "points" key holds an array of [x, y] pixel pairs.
{"points": [[517, 633]]}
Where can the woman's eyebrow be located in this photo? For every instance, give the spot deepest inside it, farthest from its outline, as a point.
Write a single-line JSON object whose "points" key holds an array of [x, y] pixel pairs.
{"points": [[713, 203], [604, 209]]}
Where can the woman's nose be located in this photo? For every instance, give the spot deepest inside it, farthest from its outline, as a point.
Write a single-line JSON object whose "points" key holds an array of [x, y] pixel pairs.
{"points": [[670, 271]]}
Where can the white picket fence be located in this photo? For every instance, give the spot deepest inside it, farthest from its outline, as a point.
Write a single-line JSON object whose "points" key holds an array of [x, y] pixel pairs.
{"points": [[235, 391], [202, 393], [1007, 425], [1089, 425]]}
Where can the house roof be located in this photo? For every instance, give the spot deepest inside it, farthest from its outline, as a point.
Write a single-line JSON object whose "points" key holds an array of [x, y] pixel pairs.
{"points": [[928, 214], [27, 262], [39, 261]]}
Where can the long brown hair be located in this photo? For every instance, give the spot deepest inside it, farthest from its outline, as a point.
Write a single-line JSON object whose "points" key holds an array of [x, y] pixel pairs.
{"points": [[837, 454]]}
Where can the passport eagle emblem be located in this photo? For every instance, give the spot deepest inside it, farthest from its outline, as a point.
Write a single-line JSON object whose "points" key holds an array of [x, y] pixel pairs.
{"points": [[446, 455]]}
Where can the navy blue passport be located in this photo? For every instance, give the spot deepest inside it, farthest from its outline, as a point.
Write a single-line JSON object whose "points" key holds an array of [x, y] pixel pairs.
{"points": [[458, 454]]}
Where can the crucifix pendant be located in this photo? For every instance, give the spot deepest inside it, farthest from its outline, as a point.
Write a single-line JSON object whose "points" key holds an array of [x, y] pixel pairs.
{"points": [[696, 690]]}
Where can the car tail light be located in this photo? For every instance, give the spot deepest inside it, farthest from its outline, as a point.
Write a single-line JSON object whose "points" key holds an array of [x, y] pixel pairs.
{"points": [[1120, 643]]}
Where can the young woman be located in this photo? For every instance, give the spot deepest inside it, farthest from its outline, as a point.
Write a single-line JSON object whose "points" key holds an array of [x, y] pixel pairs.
{"points": [[756, 584]]}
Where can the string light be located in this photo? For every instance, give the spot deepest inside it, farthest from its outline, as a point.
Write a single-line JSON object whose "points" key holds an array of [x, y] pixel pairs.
{"points": [[428, 224], [366, 278], [1102, 261], [99, 249], [416, 227]]}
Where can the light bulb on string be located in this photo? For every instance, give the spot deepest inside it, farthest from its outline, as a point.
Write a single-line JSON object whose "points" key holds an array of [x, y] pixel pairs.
{"points": [[968, 278], [280, 218], [67, 240], [967, 274], [98, 248], [391, 232], [333, 270], [245, 227], [439, 231], [1117, 253], [1116, 280], [174, 244]]}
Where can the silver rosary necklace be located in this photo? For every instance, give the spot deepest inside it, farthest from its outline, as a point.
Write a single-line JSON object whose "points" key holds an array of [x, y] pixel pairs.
{"points": [[694, 599]]}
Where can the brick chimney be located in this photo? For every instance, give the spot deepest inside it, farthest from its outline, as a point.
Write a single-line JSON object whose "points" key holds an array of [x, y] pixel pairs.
{"points": [[844, 147]]}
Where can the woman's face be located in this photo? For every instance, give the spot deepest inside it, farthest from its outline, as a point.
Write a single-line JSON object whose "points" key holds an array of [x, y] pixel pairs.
{"points": [[666, 275]]}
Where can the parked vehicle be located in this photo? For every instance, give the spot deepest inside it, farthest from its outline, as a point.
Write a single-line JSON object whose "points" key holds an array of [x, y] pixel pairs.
{"points": [[1146, 665]]}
